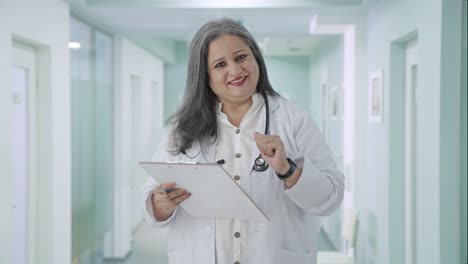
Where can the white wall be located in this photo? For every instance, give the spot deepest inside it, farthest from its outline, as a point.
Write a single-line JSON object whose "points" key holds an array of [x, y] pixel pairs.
{"points": [[43, 25], [326, 66], [436, 238], [288, 75], [130, 60]]}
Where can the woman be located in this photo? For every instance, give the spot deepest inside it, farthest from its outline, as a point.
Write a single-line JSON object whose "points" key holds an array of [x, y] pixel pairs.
{"points": [[230, 113]]}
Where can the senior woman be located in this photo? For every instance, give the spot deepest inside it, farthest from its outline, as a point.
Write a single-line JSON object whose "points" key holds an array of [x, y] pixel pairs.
{"points": [[270, 147]]}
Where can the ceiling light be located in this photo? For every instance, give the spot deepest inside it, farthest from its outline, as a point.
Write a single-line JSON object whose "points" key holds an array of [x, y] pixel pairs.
{"points": [[74, 45]]}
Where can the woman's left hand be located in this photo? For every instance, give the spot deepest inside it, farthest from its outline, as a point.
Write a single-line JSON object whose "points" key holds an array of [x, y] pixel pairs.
{"points": [[272, 149]]}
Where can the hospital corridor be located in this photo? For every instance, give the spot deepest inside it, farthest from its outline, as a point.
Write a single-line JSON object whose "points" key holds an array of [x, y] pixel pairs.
{"points": [[87, 88]]}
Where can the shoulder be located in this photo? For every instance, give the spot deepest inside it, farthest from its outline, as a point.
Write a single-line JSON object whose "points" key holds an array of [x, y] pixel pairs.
{"points": [[285, 106]]}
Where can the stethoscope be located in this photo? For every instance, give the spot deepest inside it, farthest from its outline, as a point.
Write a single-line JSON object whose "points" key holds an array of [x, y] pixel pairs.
{"points": [[260, 163]]}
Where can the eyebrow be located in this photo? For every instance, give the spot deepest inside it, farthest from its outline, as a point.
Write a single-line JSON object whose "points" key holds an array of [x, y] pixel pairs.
{"points": [[223, 57]]}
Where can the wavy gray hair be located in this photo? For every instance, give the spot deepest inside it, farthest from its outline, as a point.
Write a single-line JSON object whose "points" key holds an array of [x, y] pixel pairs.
{"points": [[195, 119]]}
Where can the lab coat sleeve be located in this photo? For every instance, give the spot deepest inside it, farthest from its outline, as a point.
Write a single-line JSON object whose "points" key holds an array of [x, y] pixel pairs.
{"points": [[160, 155], [321, 185]]}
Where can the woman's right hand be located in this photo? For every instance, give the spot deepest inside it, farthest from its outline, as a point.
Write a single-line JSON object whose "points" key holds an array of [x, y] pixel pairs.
{"points": [[165, 202]]}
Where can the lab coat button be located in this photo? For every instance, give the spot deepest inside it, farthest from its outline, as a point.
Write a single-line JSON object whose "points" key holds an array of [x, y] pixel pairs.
{"points": [[237, 234], [238, 155], [237, 131], [237, 262], [237, 177], [208, 230]]}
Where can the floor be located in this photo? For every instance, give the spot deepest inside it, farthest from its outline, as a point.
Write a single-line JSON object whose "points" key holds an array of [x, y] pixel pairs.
{"points": [[149, 247]]}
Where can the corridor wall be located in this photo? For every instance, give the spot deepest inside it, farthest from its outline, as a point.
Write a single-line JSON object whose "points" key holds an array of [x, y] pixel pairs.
{"points": [[43, 26], [138, 123], [289, 76], [175, 75], [92, 138], [326, 69], [437, 193]]}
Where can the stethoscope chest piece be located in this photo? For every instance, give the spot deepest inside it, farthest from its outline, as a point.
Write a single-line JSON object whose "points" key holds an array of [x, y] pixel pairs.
{"points": [[260, 164]]}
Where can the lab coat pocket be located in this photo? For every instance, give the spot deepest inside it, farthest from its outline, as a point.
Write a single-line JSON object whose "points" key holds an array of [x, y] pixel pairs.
{"points": [[287, 256], [182, 256]]}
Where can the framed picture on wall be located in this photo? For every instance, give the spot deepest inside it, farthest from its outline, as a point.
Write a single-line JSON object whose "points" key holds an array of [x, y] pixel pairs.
{"points": [[375, 99]]}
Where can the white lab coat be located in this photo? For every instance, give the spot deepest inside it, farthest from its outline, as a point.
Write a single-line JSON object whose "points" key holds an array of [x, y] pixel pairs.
{"points": [[290, 235]]}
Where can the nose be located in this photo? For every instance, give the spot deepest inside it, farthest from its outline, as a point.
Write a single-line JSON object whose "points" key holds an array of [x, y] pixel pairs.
{"points": [[234, 69]]}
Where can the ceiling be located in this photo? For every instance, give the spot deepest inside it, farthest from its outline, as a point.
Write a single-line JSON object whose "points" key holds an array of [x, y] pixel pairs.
{"points": [[280, 26]]}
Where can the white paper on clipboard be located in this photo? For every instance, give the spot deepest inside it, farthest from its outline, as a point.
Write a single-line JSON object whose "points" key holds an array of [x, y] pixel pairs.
{"points": [[214, 192]]}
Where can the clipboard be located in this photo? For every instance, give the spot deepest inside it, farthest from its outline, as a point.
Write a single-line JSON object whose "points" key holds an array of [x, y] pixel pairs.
{"points": [[214, 192]]}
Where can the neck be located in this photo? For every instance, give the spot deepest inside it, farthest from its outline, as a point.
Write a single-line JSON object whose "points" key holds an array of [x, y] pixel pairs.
{"points": [[236, 112]]}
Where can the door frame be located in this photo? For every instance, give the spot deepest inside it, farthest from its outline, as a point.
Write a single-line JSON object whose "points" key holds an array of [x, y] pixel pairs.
{"points": [[25, 56], [410, 151]]}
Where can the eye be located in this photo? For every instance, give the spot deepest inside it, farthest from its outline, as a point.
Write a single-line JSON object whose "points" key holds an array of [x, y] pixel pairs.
{"points": [[219, 65], [241, 57]]}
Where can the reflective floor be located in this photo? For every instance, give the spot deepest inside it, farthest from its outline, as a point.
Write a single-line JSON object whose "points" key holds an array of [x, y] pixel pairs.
{"points": [[147, 249], [150, 247]]}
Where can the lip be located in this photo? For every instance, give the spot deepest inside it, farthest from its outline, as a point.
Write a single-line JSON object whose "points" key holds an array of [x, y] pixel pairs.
{"points": [[238, 81]]}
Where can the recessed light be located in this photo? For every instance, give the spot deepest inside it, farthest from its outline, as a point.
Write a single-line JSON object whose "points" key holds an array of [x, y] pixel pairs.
{"points": [[74, 45]]}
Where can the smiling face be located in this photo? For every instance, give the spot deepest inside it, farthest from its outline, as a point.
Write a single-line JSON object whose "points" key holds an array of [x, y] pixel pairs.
{"points": [[232, 69]]}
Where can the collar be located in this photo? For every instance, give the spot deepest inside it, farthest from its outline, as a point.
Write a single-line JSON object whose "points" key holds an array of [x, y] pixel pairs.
{"points": [[257, 103]]}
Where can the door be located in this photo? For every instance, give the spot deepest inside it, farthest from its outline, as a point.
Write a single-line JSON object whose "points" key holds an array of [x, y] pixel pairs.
{"points": [[23, 149], [411, 77]]}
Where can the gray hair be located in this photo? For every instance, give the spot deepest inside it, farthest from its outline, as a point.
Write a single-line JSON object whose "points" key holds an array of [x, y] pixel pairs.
{"points": [[195, 119]]}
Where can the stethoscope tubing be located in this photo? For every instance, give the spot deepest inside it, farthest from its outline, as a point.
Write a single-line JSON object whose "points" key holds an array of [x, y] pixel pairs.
{"points": [[260, 164]]}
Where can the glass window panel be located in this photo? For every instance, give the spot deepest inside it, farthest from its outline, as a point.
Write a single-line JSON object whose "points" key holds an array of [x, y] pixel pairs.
{"points": [[92, 139]]}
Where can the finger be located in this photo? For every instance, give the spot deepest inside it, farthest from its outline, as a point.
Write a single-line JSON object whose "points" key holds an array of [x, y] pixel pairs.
{"points": [[271, 148], [266, 148], [160, 195], [181, 198], [165, 187], [176, 192], [272, 138], [257, 135]]}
